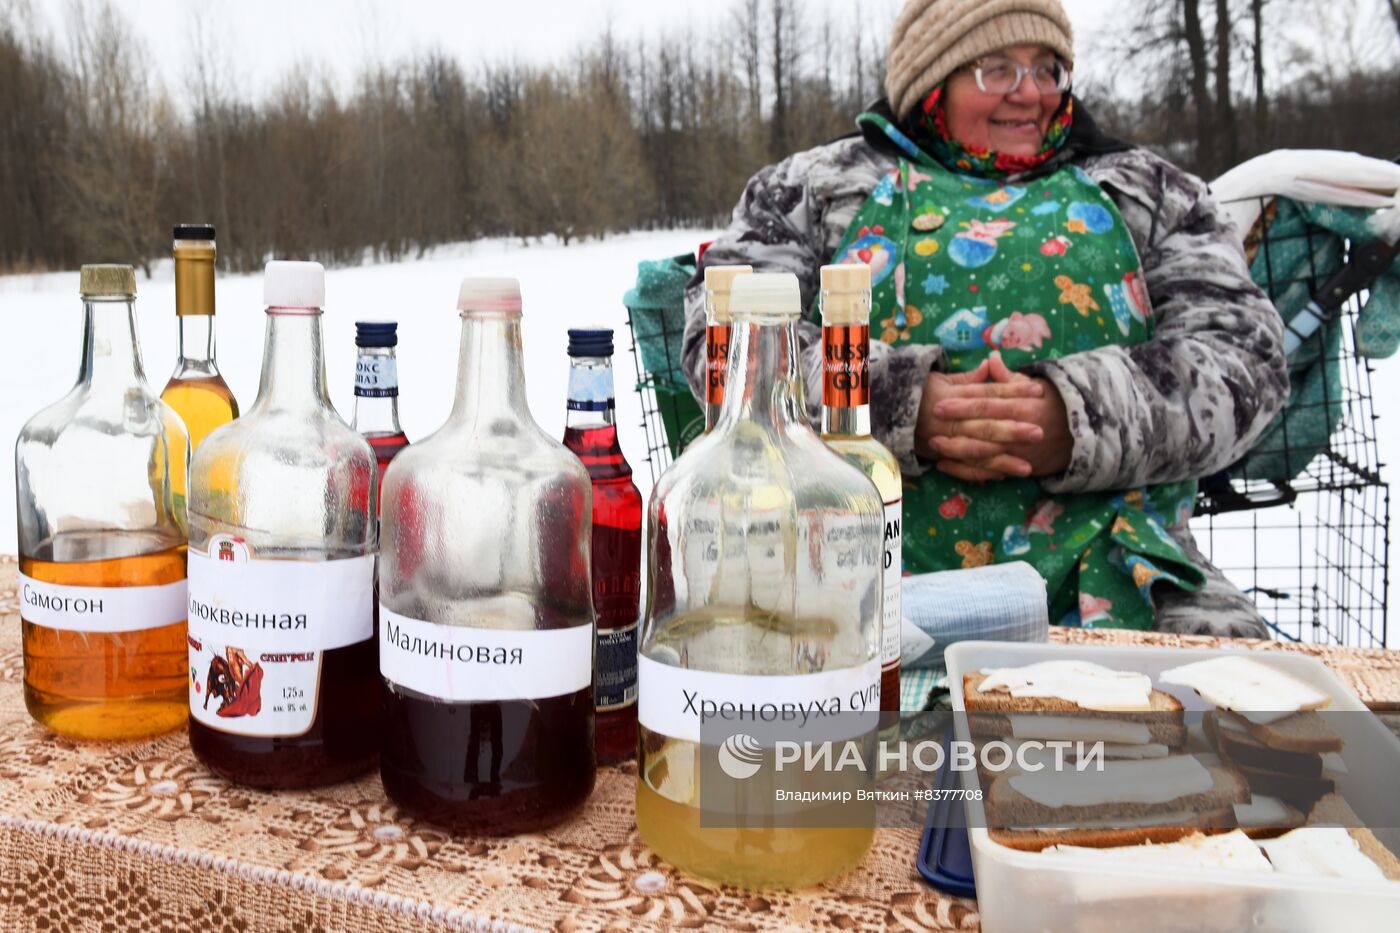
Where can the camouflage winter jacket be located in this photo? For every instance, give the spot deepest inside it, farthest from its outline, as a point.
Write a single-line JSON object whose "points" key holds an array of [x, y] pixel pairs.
{"points": [[1182, 405]]}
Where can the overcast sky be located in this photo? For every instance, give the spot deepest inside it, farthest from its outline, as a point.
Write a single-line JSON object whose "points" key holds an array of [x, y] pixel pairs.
{"points": [[262, 39]]}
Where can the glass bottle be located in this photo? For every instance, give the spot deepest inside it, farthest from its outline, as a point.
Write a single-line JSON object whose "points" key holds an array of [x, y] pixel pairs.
{"points": [[845, 306], [377, 391], [486, 615], [282, 655], [196, 390], [764, 583], [718, 282], [102, 537], [591, 433]]}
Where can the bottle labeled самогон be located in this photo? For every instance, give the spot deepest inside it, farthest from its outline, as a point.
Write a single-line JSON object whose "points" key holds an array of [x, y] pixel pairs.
{"points": [[616, 555], [101, 518], [845, 307], [196, 389], [718, 282], [282, 656], [766, 560], [486, 614]]}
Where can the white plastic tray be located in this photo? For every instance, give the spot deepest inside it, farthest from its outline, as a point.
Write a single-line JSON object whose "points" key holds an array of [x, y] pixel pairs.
{"points": [[1026, 891]]}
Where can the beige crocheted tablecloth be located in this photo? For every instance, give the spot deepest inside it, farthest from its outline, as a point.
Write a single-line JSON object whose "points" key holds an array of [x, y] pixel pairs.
{"points": [[138, 836]]}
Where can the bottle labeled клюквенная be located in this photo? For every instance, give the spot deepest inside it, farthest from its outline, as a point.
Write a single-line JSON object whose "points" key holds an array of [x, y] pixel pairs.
{"points": [[98, 476], [283, 688], [486, 615]]}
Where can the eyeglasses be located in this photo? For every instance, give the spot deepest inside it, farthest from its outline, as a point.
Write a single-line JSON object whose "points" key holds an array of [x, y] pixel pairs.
{"points": [[1003, 76]]}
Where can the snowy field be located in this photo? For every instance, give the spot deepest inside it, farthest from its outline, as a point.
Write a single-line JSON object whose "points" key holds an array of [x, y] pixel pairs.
{"points": [[563, 287]]}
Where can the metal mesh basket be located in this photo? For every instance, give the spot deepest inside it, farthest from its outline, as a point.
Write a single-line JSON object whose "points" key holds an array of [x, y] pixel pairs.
{"points": [[671, 418]]}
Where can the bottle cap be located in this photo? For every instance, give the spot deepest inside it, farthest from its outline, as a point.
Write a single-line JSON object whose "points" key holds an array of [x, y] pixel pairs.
{"points": [[719, 281], [846, 294], [294, 284], [767, 294], [482, 294], [194, 232], [107, 280], [376, 333], [590, 341]]}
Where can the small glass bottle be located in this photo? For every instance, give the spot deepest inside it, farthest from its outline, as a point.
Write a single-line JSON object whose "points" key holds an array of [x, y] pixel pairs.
{"points": [[377, 391], [718, 282], [486, 615], [283, 688], [764, 575], [102, 537], [591, 433], [845, 306], [196, 390]]}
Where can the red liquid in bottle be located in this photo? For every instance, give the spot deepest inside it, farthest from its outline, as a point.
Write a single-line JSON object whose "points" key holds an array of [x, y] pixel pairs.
{"points": [[617, 586], [386, 447]]}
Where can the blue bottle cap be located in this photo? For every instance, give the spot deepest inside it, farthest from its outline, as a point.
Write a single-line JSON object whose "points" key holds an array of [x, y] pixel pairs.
{"points": [[376, 333], [590, 341]]}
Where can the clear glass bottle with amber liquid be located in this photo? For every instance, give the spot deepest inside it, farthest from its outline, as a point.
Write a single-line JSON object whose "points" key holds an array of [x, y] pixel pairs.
{"points": [[486, 613], [283, 680], [718, 282], [377, 391], [102, 538], [590, 431], [845, 307], [196, 390], [765, 559]]}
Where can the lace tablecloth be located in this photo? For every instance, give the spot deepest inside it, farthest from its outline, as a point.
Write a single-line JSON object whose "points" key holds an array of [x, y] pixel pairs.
{"points": [[138, 836]]}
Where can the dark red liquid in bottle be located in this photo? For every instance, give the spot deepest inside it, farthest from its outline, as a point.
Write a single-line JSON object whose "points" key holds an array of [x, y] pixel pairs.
{"points": [[386, 447], [617, 586]]}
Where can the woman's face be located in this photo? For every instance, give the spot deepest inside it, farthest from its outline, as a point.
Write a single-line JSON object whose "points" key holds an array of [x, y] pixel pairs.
{"points": [[1013, 123]]}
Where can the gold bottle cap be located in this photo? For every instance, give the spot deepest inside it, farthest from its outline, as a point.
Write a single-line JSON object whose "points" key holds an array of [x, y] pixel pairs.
{"points": [[107, 280], [846, 294]]}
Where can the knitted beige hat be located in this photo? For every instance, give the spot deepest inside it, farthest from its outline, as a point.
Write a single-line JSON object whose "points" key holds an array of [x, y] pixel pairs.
{"points": [[932, 38]]}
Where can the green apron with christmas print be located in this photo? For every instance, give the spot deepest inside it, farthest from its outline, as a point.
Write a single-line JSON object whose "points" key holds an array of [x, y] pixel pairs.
{"points": [[1038, 269]]}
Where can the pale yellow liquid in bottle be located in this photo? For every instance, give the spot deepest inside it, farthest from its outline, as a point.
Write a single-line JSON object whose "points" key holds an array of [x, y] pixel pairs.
{"points": [[203, 404], [669, 785], [108, 685]]}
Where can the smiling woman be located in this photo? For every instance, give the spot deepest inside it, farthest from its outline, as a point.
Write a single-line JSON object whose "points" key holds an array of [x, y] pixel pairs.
{"points": [[1068, 336]]}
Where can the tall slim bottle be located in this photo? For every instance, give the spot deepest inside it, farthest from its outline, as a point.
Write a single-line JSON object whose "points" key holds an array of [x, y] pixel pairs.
{"points": [[718, 282], [765, 572], [102, 537], [377, 391], [486, 637], [196, 390], [283, 688], [591, 433], [845, 304]]}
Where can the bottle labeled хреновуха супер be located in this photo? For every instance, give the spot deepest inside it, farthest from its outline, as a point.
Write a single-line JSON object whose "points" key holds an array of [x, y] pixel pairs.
{"points": [[98, 476], [282, 656], [765, 583], [486, 615]]}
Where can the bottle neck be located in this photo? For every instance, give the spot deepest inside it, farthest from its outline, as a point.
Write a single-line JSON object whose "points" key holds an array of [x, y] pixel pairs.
{"points": [[111, 355], [377, 392], [490, 369], [762, 384], [194, 278], [197, 341], [846, 380], [592, 403], [294, 369]]}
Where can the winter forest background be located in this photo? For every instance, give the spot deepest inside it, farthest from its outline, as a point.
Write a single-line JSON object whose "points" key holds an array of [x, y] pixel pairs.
{"points": [[97, 154]]}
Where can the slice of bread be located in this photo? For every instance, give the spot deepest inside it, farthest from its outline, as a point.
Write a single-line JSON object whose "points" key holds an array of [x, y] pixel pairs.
{"points": [[1018, 821], [1305, 732], [1300, 792], [1333, 810], [1244, 749], [989, 712]]}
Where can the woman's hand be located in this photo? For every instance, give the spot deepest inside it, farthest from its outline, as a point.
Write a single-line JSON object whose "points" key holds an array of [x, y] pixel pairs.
{"points": [[993, 423]]}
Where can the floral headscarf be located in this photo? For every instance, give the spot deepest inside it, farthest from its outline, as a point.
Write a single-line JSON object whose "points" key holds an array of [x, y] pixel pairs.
{"points": [[928, 127]]}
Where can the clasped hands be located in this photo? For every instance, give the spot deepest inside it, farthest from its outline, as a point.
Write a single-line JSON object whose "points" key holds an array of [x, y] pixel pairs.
{"points": [[992, 423]]}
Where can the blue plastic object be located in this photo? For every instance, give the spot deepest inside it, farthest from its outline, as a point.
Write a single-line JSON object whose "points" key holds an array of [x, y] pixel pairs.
{"points": [[945, 853]]}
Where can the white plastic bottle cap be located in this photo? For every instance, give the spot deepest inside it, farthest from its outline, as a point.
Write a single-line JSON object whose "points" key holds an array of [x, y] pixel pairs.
{"points": [[766, 293], [294, 284], [480, 294]]}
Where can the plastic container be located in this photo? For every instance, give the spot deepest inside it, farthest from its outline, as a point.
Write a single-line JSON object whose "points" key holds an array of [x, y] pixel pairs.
{"points": [[1027, 891]]}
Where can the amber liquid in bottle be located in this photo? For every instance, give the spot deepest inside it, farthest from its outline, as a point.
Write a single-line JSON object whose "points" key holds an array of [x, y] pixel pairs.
{"points": [[204, 403], [107, 685], [196, 390]]}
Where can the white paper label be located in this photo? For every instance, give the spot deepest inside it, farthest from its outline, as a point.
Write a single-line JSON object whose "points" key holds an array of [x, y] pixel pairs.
{"points": [[466, 664], [258, 629], [101, 608], [376, 377], [671, 700], [894, 572]]}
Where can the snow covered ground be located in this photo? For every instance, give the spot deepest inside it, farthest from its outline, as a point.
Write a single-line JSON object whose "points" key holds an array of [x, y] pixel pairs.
{"points": [[563, 287]]}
